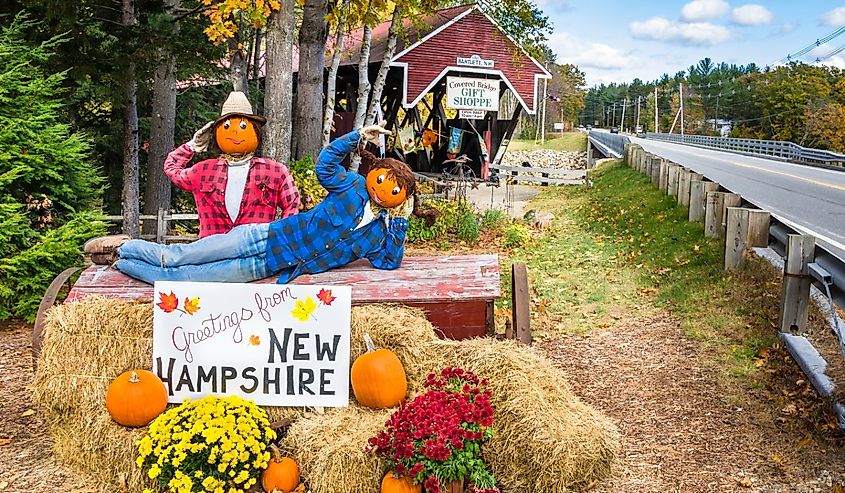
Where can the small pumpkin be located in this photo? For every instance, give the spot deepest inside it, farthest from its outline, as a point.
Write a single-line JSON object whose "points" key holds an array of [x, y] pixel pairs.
{"points": [[236, 135], [282, 473], [136, 397], [383, 188], [378, 377], [392, 484]]}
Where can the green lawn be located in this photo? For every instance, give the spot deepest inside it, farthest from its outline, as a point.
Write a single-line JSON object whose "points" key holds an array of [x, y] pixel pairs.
{"points": [[571, 141]]}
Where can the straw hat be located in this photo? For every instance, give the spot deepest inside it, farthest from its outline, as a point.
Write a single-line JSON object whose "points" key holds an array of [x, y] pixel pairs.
{"points": [[238, 104]]}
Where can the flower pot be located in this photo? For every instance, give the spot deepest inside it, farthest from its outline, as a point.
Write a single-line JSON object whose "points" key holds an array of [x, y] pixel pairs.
{"points": [[455, 487]]}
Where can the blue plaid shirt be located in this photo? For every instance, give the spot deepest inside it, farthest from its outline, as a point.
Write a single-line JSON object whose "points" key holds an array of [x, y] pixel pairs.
{"points": [[325, 237]]}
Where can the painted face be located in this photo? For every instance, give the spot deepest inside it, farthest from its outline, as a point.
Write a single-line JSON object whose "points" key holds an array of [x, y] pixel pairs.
{"points": [[384, 190], [236, 135]]}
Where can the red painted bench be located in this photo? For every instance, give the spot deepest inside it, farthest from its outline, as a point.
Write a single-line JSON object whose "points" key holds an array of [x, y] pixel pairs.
{"points": [[456, 292]]}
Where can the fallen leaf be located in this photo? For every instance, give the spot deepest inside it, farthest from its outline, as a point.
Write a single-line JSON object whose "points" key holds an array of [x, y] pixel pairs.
{"points": [[745, 482], [5, 441], [28, 412], [3, 485]]}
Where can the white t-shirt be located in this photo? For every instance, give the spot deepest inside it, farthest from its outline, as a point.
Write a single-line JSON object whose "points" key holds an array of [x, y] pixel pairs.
{"points": [[368, 216], [235, 185]]}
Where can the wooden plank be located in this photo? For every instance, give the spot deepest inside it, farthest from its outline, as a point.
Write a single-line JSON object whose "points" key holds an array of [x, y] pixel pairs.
{"points": [[672, 187], [697, 195], [758, 228], [521, 307], [795, 293], [422, 279]]}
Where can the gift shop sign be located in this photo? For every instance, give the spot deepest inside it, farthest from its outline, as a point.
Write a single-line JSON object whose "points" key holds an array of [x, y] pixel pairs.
{"points": [[472, 94], [278, 345]]}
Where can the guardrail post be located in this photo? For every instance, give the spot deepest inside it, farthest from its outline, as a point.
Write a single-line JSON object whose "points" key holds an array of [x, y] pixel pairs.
{"points": [[746, 229], [655, 170], [645, 162], [161, 225], [715, 210], [663, 179], [672, 187], [795, 294], [697, 194], [641, 157]]}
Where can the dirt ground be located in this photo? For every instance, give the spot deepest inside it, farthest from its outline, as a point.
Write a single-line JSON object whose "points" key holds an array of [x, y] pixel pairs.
{"points": [[681, 434]]}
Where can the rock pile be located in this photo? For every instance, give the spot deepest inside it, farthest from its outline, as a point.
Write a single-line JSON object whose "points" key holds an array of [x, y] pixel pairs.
{"points": [[544, 158]]}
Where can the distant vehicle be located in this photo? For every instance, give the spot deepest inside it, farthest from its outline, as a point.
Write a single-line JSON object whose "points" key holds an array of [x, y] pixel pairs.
{"points": [[614, 130], [589, 127], [639, 130]]}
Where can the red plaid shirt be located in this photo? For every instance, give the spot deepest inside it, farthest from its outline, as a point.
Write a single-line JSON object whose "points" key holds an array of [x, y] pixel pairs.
{"points": [[269, 187]]}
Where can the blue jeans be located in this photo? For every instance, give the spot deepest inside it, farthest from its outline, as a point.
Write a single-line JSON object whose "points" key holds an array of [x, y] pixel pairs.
{"points": [[237, 256]]}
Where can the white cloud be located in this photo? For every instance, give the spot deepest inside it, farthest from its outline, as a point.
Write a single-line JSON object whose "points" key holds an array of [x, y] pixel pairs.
{"points": [[834, 18], [570, 49], [694, 33], [704, 10], [787, 28], [752, 15]]}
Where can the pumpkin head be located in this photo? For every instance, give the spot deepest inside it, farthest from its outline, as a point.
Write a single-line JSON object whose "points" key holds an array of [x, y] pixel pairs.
{"points": [[136, 397], [392, 484], [282, 473], [236, 135], [384, 188], [378, 378]]}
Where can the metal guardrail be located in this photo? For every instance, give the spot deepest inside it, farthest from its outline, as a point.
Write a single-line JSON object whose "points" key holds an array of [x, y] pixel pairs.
{"points": [[614, 143], [782, 150]]}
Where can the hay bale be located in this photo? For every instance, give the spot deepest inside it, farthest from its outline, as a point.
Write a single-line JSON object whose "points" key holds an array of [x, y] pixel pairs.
{"points": [[545, 438], [330, 449]]}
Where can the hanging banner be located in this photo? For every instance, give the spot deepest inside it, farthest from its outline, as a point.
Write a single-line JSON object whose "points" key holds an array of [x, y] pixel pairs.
{"points": [[455, 136], [406, 140], [472, 94], [276, 344]]}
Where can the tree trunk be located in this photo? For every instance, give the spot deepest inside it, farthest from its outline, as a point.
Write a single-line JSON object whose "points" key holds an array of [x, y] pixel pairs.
{"points": [[331, 88], [130, 137], [390, 50], [309, 89], [278, 87], [363, 89], [238, 64], [162, 127]]}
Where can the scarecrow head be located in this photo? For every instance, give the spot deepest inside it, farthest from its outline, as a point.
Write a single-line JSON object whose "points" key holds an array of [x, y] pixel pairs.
{"points": [[391, 182], [238, 131]]}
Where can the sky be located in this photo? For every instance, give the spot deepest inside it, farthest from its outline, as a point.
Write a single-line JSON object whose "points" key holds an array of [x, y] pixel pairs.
{"points": [[618, 40]]}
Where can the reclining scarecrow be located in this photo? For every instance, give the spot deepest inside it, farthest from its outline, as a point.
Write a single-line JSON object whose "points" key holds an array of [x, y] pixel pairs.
{"points": [[359, 218]]}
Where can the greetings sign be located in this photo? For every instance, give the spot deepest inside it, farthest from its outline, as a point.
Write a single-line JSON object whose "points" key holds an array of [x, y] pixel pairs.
{"points": [[278, 345], [472, 94]]}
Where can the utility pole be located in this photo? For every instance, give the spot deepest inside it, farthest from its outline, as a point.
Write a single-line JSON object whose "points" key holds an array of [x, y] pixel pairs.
{"points": [[624, 105], [656, 130], [614, 115], [638, 113], [682, 110], [715, 120]]}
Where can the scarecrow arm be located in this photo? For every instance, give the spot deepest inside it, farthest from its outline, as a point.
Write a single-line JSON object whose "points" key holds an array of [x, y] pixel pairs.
{"points": [[174, 167], [329, 171], [389, 256]]}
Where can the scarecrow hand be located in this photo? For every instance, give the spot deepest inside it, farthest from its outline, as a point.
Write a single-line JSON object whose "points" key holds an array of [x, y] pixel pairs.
{"points": [[202, 138], [372, 132]]}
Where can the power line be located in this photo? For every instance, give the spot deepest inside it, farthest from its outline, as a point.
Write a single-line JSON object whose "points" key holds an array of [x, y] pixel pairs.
{"points": [[792, 56]]}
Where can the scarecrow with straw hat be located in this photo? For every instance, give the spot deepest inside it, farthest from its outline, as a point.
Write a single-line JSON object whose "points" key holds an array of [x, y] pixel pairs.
{"points": [[361, 217]]}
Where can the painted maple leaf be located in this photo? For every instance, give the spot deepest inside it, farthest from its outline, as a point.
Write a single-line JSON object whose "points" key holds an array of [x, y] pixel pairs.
{"points": [[304, 309], [192, 305], [168, 302], [254, 340], [325, 296]]}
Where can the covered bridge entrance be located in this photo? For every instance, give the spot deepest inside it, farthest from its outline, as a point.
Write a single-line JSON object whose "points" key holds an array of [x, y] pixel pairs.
{"points": [[457, 86]]}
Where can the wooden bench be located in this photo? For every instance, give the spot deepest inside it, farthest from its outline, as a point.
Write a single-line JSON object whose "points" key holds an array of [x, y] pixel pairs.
{"points": [[456, 292]]}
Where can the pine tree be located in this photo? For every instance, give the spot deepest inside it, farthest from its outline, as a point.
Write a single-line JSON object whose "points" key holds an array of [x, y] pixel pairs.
{"points": [[48, 184]]}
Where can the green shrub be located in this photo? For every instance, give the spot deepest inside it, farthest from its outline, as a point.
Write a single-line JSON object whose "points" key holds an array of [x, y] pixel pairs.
{"points": [[516, 235], [311, 192], [494, 220], [457, 219], [467, 226]]}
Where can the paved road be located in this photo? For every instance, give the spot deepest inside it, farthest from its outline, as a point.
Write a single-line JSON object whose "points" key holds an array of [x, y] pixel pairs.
{"points": [[806, 198]]}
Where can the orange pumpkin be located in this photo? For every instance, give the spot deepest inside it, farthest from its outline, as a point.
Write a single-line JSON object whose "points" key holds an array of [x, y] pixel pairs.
{"points": [[282, 473], [384, 190], [392, 484], [236, 135], [136, 397], [378, 378]]}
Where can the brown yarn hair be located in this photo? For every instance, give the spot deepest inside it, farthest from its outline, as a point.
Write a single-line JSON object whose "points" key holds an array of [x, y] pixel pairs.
{"points": [[403, 176]]}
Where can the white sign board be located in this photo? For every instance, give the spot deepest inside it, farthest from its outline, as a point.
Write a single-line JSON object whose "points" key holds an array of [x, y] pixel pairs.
{"points": [[475, 61], [558, 126], [472, 94], [276, 344], [472, 114]]}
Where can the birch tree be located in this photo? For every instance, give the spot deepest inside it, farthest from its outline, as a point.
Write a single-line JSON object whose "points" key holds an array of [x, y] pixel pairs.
{"points": [[331, 83]]}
